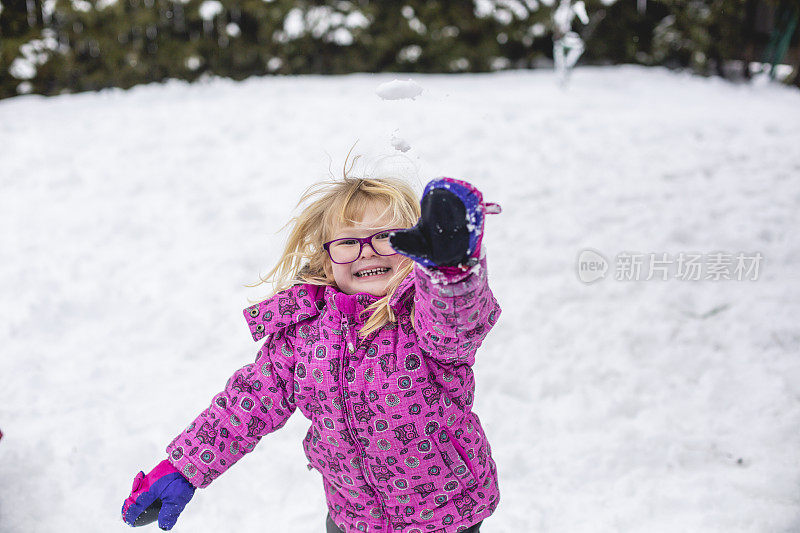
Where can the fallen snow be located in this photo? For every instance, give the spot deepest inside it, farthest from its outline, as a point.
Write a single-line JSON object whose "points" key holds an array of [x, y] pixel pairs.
{"points": [[22, 69], [210, 9], [293, 24], [233, 29], [130, 221]]}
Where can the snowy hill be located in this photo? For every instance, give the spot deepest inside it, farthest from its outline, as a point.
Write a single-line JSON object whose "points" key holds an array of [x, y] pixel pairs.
{"points": [[131, 220]]}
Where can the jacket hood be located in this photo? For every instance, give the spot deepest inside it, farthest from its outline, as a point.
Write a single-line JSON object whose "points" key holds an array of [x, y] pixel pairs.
{"points": [[304, 301]]}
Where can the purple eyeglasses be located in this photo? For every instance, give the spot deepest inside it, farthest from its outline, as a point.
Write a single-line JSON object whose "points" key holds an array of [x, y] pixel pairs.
{"points": [[348, 249]]}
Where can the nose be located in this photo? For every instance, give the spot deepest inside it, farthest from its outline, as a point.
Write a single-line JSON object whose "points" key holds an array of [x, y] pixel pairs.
{"points": [[367, 251]]}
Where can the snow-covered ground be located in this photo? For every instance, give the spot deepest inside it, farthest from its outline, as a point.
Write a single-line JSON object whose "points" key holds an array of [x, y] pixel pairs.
{"points": [[131, 220]]}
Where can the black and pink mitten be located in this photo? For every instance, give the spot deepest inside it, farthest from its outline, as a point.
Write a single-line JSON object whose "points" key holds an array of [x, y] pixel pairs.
{"points": [[450, 230]]}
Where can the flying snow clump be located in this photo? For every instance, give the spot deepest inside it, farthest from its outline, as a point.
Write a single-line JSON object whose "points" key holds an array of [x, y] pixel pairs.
{"points": [[399, 90]]}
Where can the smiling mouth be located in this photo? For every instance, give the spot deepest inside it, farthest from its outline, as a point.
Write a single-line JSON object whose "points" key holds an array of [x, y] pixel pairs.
{"points": [[371, 272]]}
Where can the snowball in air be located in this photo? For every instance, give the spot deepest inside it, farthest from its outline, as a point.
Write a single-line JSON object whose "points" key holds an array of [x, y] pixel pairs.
{"points": [[399, 89], [400, 144]]}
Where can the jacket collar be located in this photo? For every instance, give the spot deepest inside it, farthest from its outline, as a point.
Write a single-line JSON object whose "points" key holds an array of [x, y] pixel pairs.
{"points": [[288, 307], [348, 305], [304, 301]]}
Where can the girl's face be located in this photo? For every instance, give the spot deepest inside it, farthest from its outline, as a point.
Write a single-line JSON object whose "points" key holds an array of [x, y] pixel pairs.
{"points": [[355, 277]]}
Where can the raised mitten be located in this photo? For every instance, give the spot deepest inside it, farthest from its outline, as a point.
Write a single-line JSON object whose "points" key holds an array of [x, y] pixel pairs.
{"points": [[450, 229], [162, 494]]}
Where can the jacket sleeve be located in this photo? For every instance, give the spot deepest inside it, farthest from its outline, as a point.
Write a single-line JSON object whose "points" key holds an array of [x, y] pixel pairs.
{"points": [[257, 400], [453, 311]]}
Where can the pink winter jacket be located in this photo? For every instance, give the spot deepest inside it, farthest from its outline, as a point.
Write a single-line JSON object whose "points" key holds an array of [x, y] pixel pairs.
{"points": [[392, 428]]}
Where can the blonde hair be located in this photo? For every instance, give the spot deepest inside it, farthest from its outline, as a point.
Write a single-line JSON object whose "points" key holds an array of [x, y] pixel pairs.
{"points": [[327, 206]]}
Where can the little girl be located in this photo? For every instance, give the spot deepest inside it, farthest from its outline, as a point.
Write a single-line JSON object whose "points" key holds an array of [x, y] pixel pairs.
{"points": [[372, 335]]}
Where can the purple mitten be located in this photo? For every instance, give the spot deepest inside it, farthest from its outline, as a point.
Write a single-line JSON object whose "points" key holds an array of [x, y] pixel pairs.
{"points": [[450, 230], [162, 494]]}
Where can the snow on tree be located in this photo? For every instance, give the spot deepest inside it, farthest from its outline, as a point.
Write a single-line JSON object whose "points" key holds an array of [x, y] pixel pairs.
{"points": [[567, 45]]}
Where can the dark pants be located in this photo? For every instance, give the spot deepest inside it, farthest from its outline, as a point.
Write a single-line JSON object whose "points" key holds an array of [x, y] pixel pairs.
{"points": [[330, 527]]}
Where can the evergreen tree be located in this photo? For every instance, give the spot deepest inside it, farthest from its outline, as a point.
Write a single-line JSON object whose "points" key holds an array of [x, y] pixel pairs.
{"points": [[76, 45]]}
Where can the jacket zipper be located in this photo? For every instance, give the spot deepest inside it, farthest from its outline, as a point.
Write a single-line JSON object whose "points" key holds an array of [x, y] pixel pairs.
{"points": [[350, 349]]}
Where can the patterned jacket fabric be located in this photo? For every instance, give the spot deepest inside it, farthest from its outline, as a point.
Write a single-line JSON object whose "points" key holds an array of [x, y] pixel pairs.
{"points": [[392, 428]]}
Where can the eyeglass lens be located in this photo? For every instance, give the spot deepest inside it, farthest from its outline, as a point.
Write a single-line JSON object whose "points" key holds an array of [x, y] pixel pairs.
{"points": [[348, 250]]}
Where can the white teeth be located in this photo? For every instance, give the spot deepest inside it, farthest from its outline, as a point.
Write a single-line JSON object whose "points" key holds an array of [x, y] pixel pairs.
{"points": [[371, 272]]}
